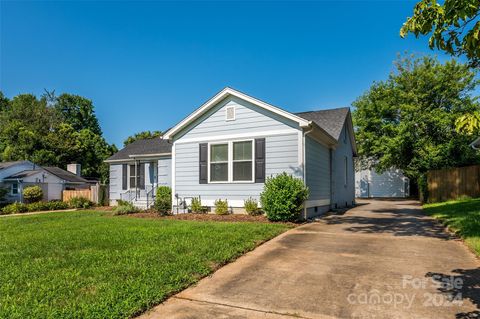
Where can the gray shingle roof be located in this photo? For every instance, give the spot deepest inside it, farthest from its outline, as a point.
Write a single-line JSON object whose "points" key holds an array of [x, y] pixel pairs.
{"points": [[331, 120], [65, 175], [143, 147], [8, 164], [23, 174]]}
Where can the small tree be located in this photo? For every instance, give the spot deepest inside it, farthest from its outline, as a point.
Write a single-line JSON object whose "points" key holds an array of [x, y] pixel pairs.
{"points": [[32, 194], [282, 197], [221, 207], [163, 200]]}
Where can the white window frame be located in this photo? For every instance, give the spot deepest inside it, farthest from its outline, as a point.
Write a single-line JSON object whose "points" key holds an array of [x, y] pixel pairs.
{"points": [[18, 189], [135, 170], [230, 162], [345, 161]]}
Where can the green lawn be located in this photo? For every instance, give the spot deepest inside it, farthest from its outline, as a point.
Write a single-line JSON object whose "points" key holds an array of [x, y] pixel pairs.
{"points": [[93, 265], [462, 216]]}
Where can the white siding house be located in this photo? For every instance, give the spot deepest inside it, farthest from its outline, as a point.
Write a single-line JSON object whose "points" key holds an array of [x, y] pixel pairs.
{"points": [[391, 183], [229, 146], [15, 176]]}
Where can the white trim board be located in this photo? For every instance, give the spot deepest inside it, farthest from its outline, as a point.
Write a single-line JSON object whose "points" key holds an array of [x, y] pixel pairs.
{"points": [[236, 136], [231, 92]]}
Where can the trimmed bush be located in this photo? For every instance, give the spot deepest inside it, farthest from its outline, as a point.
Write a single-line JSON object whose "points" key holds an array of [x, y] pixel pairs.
{"points": [[221, 207], [251, 207], [196, 205], [80, 202], [37, 206], [124, 208], [282, 197], [15, 208], [55, 205], [163, 200], [32, 194], [45, 206]]}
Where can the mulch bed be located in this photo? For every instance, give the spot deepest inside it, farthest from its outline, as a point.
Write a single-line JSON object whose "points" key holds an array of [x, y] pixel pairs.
{"points": [[206, 217]]}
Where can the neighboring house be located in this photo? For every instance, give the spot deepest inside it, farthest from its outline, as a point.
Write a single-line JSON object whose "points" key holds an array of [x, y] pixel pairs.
{"points": [[230, 145], [391, 183], [15, 176]]}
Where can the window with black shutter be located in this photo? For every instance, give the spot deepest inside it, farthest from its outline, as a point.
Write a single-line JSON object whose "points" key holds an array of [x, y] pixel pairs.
{"points": [[124, 176], [203, 163], [260, 160]]}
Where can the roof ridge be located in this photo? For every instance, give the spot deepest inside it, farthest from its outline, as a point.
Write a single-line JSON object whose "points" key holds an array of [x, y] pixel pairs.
{"points": [[322, 110]]}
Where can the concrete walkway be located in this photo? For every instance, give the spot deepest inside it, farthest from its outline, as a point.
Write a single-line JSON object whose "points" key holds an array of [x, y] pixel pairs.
{"points": [[383, 259], [40, 212]]}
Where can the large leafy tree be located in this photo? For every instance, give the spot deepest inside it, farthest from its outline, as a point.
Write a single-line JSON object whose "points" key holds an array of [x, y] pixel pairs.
{"points": [[408, 121], [78, 112], [454, 26], [53, 131], [141, 136]]}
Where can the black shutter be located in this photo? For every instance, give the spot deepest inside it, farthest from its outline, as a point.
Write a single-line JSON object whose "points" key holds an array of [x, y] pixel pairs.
{"points": [[203, 163], [124, 176], [260, 160], [141, 176]]}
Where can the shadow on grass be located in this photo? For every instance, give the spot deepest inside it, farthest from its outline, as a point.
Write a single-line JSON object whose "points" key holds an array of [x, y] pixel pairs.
{"points": [[461, 216]]}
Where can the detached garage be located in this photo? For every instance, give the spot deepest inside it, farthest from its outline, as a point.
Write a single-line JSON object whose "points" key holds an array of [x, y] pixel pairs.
{"points": [[391, 183]]}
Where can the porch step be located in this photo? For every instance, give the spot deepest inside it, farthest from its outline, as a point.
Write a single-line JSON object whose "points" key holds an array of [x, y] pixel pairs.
{"points": [[142, 203]]}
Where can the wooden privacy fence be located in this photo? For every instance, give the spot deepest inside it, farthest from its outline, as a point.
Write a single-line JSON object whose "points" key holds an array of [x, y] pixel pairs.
{"points": [[453, 183], [69, 194], [97, 193]]}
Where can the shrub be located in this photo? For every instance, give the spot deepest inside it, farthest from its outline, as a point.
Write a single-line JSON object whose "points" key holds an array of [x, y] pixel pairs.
{"points": [[55, 205], [32, 194], [37, 206], [282, 197], [15, 208], [196, 205], [41, 206], [80, 202], [124, 208], [163, 200], [251, 207], [221, 207]]}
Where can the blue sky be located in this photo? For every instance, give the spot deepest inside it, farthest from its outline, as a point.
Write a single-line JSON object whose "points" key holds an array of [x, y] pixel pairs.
{"points": [[146, 65]]}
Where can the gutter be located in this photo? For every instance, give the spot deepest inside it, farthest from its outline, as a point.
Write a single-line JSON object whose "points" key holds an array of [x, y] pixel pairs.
{"points": [[305, 133]]}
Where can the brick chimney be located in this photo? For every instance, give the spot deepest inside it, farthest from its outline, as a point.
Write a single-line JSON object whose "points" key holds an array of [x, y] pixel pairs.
{"points": [[75, 169]]}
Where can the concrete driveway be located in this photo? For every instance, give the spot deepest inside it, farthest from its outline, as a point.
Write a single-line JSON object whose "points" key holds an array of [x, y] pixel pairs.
{"points": [[382, 259]]}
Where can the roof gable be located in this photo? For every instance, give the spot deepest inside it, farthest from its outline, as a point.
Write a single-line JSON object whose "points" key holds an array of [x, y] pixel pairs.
{"points": [[333, 121], [224, 94], [330, 120]]}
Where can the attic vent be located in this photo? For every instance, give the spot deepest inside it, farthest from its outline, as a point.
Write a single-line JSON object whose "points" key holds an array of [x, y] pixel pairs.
{"points": [[230, 113]]}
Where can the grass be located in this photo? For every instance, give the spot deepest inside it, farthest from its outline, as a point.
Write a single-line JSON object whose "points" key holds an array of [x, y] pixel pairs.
{"points": [[462, 217], [91, 265]]}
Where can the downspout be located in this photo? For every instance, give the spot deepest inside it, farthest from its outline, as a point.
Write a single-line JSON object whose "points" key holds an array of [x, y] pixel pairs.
{"points": [[305, 163]]}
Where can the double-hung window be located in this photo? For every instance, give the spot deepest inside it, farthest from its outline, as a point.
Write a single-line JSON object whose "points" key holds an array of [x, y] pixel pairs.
{"points": [[242, 161], [137, 177], [219, 162], [133, 175], [14, 189], [231, 162]]}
